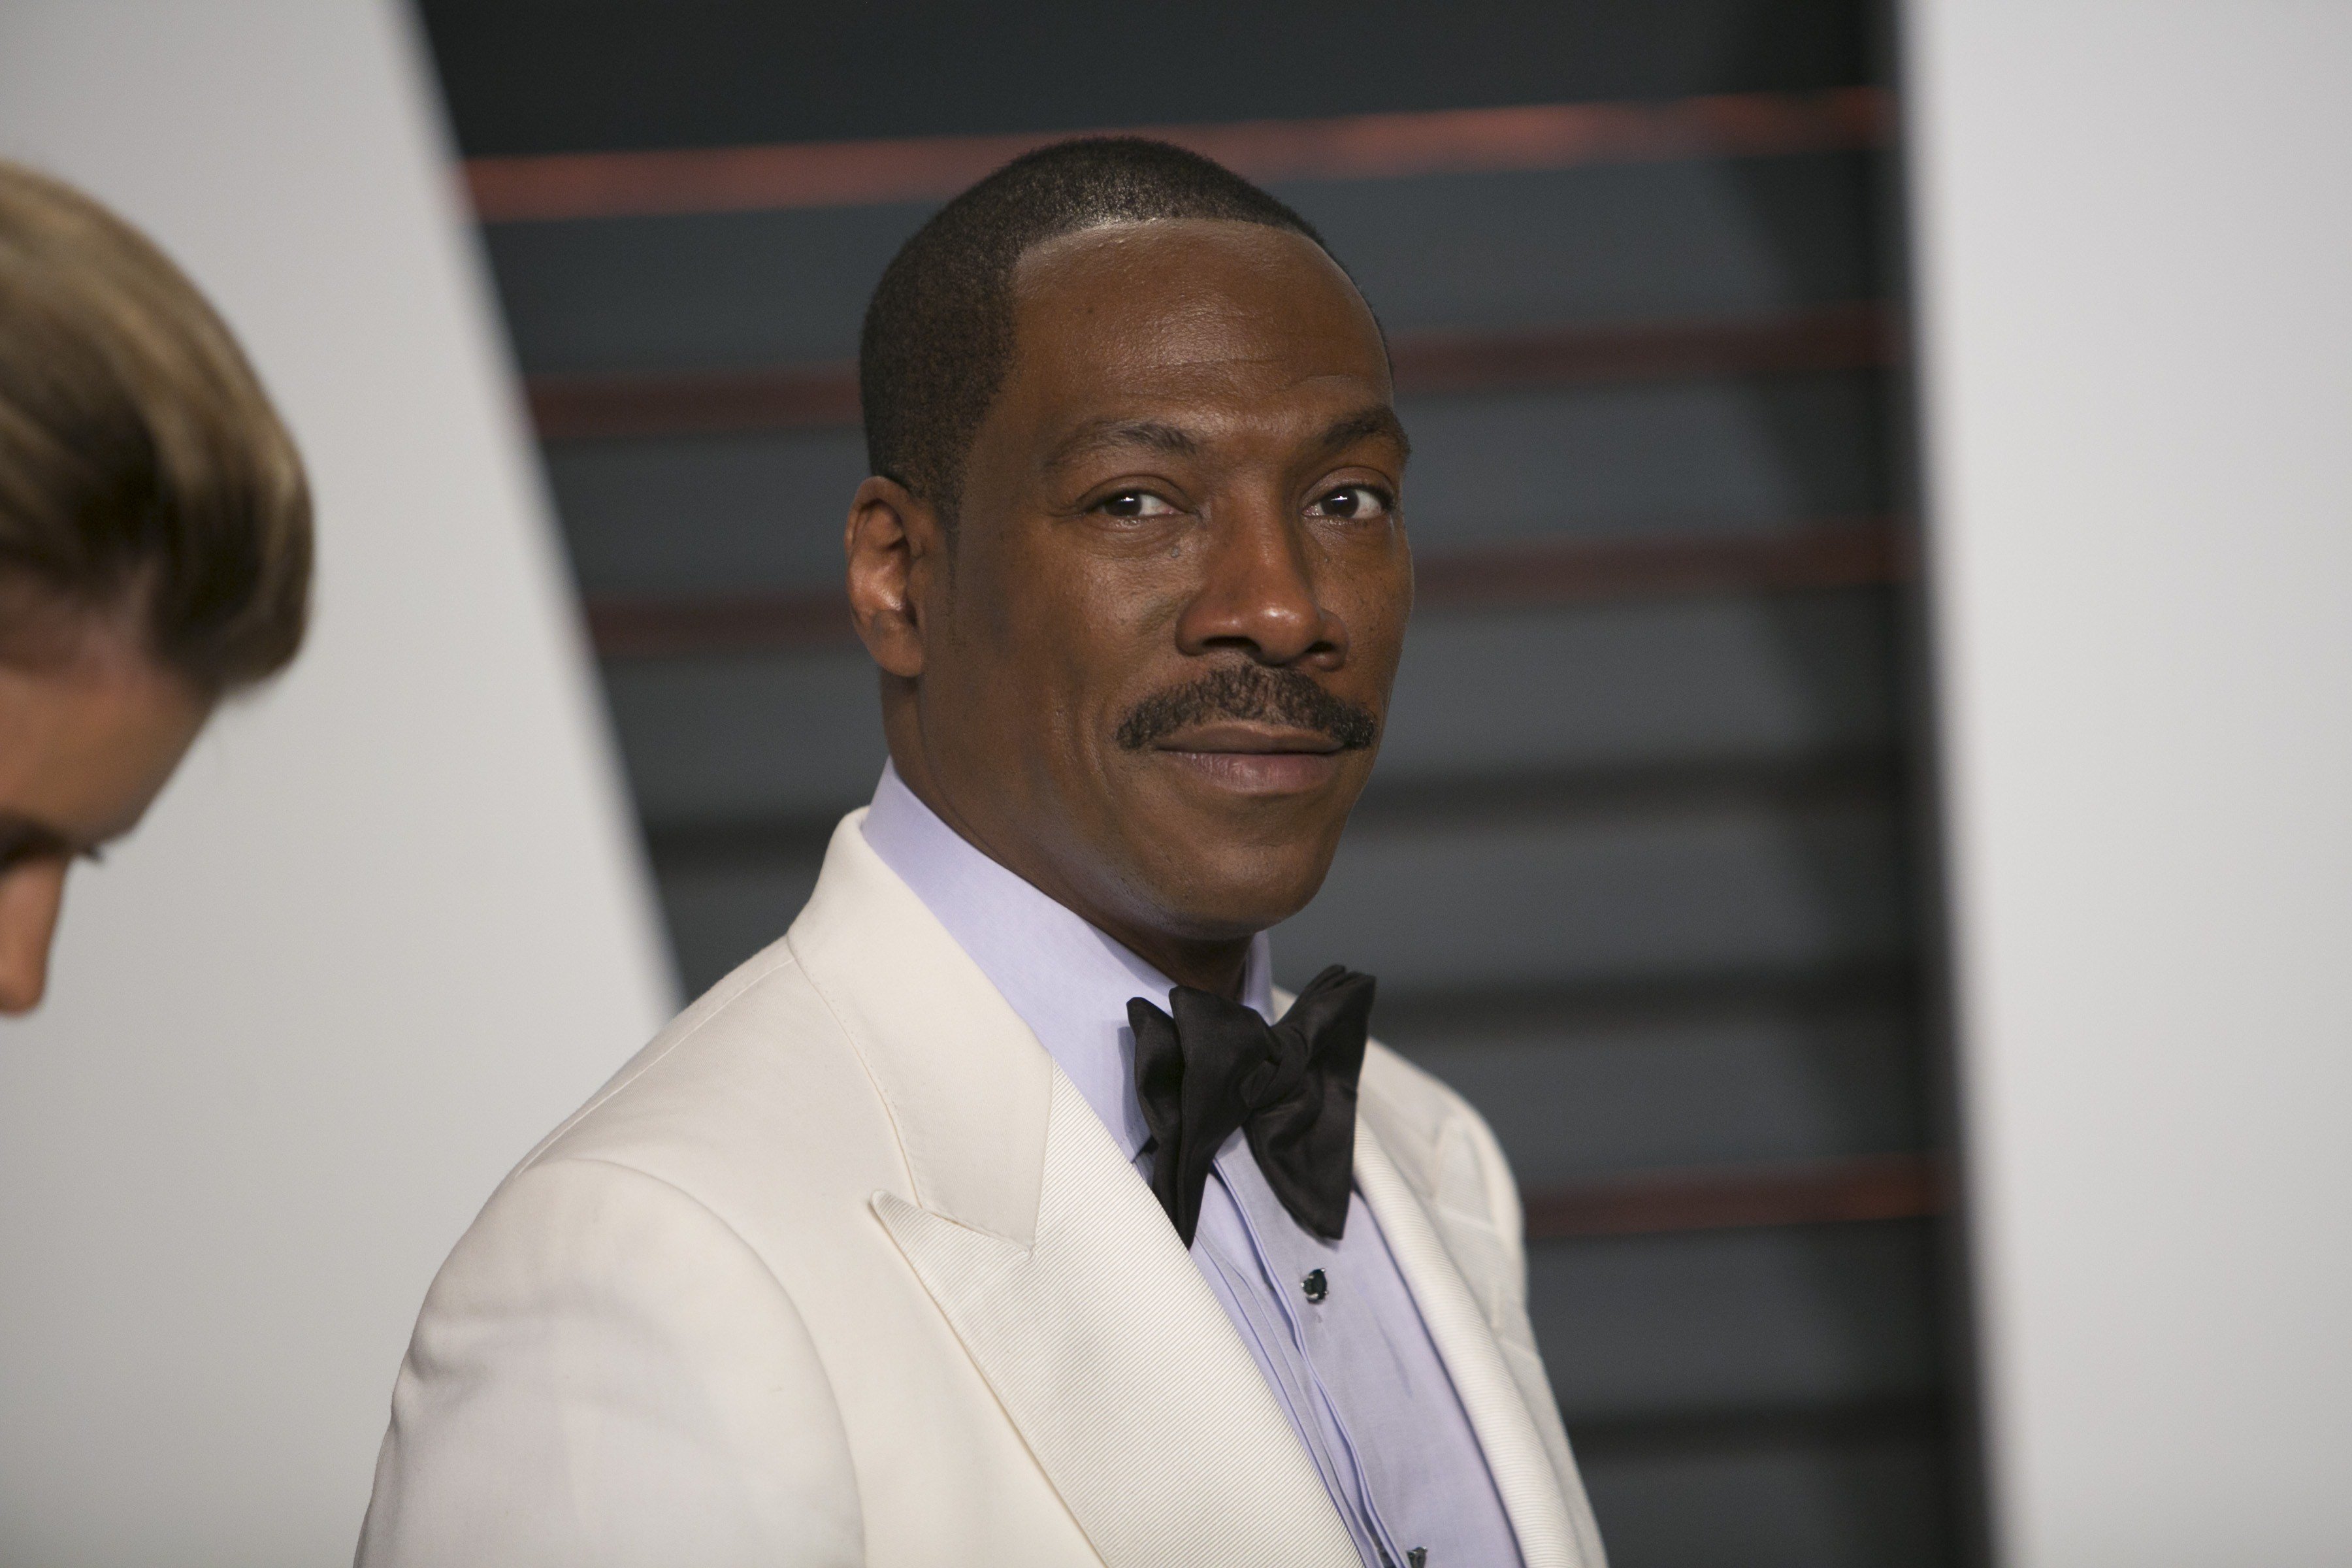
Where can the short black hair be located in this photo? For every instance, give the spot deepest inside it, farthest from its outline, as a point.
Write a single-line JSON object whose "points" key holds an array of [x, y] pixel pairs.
{"points": [[939, 333]]}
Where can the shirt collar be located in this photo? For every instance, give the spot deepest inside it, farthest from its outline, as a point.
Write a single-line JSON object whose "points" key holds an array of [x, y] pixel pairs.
{"points": [[1068, 981]]}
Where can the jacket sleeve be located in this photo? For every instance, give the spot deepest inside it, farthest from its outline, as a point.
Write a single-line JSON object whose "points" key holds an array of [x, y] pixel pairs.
{"points": [[605, 1373]]}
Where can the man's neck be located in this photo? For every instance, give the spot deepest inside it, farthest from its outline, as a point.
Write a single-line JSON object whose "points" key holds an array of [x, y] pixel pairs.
{"points": [[1220, 966]]}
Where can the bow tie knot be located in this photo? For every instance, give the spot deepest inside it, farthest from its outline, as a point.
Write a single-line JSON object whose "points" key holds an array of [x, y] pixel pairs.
{"points": [[1211, 1067], [1274, 1078]]}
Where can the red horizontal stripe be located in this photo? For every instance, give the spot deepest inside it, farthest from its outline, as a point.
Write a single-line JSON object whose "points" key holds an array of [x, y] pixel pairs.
{"points": [[1352, 147], [1875, 1188]]}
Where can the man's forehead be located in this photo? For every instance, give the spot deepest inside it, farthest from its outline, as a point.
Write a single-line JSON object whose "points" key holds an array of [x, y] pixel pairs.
{"points": [[1169, 337], [1189, 294]]}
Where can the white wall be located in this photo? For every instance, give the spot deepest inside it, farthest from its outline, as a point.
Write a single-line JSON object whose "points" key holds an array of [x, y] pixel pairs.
{"points": [[390, 923], [2135, 231]]}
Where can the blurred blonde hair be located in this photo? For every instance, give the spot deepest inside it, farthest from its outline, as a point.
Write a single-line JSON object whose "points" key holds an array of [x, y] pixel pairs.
{"points": [[145, 480]]}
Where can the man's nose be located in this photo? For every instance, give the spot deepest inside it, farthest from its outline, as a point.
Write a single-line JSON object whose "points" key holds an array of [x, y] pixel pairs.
{"points": [[1258, 592], [30, 893]]}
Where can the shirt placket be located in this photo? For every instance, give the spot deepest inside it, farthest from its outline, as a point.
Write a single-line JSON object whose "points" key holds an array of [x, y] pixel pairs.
{"points": [[1276, 1277]]}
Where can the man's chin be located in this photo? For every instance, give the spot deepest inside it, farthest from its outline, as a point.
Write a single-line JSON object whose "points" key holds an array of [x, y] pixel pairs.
{"points": [[1216, 887], [1219, 860]]}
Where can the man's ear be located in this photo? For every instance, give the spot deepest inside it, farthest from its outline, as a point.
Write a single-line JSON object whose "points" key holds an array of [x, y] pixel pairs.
{"points": [[896, 546]]}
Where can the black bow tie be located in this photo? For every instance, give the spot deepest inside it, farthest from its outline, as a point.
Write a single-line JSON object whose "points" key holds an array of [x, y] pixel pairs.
{"points": [[1291, 1087]]}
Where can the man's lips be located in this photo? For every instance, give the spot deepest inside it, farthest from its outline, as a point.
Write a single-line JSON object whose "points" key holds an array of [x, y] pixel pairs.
{"points": [[1254, 758], [1237, 738]]}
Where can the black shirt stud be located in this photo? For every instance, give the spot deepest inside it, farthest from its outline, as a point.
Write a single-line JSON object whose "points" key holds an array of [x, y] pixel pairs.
{"points": [[1316, 1285]]}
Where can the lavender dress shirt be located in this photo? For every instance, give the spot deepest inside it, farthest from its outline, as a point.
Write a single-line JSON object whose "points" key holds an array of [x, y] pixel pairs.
{"points": [[1357, 1371]]}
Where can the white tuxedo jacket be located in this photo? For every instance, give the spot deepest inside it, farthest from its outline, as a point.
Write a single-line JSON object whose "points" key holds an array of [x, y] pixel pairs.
{"points": [[841, 1270]]}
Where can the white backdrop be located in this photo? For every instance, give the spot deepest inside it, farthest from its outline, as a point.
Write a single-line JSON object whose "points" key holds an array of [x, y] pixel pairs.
{"points": [[389, 924], [2134, 237]]}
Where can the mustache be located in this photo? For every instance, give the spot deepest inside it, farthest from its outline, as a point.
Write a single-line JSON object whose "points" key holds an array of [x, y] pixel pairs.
{"points": [[1250, 693]]}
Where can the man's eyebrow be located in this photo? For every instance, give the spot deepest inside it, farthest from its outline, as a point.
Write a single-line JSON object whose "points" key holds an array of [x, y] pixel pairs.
{"points": [[1104, 435], [1377, 419], [1098, 435]]}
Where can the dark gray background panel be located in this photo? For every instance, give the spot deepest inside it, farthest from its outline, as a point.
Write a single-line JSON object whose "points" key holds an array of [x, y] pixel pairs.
{"points": [[1734, 1086], [1557, 900], [1806, 1502], [1802, 1317], [563, 75]]}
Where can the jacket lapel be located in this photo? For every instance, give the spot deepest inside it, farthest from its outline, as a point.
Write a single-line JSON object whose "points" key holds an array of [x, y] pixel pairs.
{"points": [[1051, 1259], [1121, 1370], [1503, 1393]]}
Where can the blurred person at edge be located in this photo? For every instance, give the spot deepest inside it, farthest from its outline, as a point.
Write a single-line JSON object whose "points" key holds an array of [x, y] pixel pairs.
{"points": [[154, 542]]}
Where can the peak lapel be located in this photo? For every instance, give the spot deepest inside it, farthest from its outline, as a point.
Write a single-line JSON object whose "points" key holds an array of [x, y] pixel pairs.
{"points": [[1050, 1258], [1121, 1370], [966, 1083]]}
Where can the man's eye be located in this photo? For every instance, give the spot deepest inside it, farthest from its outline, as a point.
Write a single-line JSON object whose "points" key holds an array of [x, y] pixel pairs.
{"points": [[1354, 503], [1136, 503]]}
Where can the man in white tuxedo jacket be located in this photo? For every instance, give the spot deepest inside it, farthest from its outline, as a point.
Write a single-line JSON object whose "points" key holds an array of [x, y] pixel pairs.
{"points": [[1002, 1212]]}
